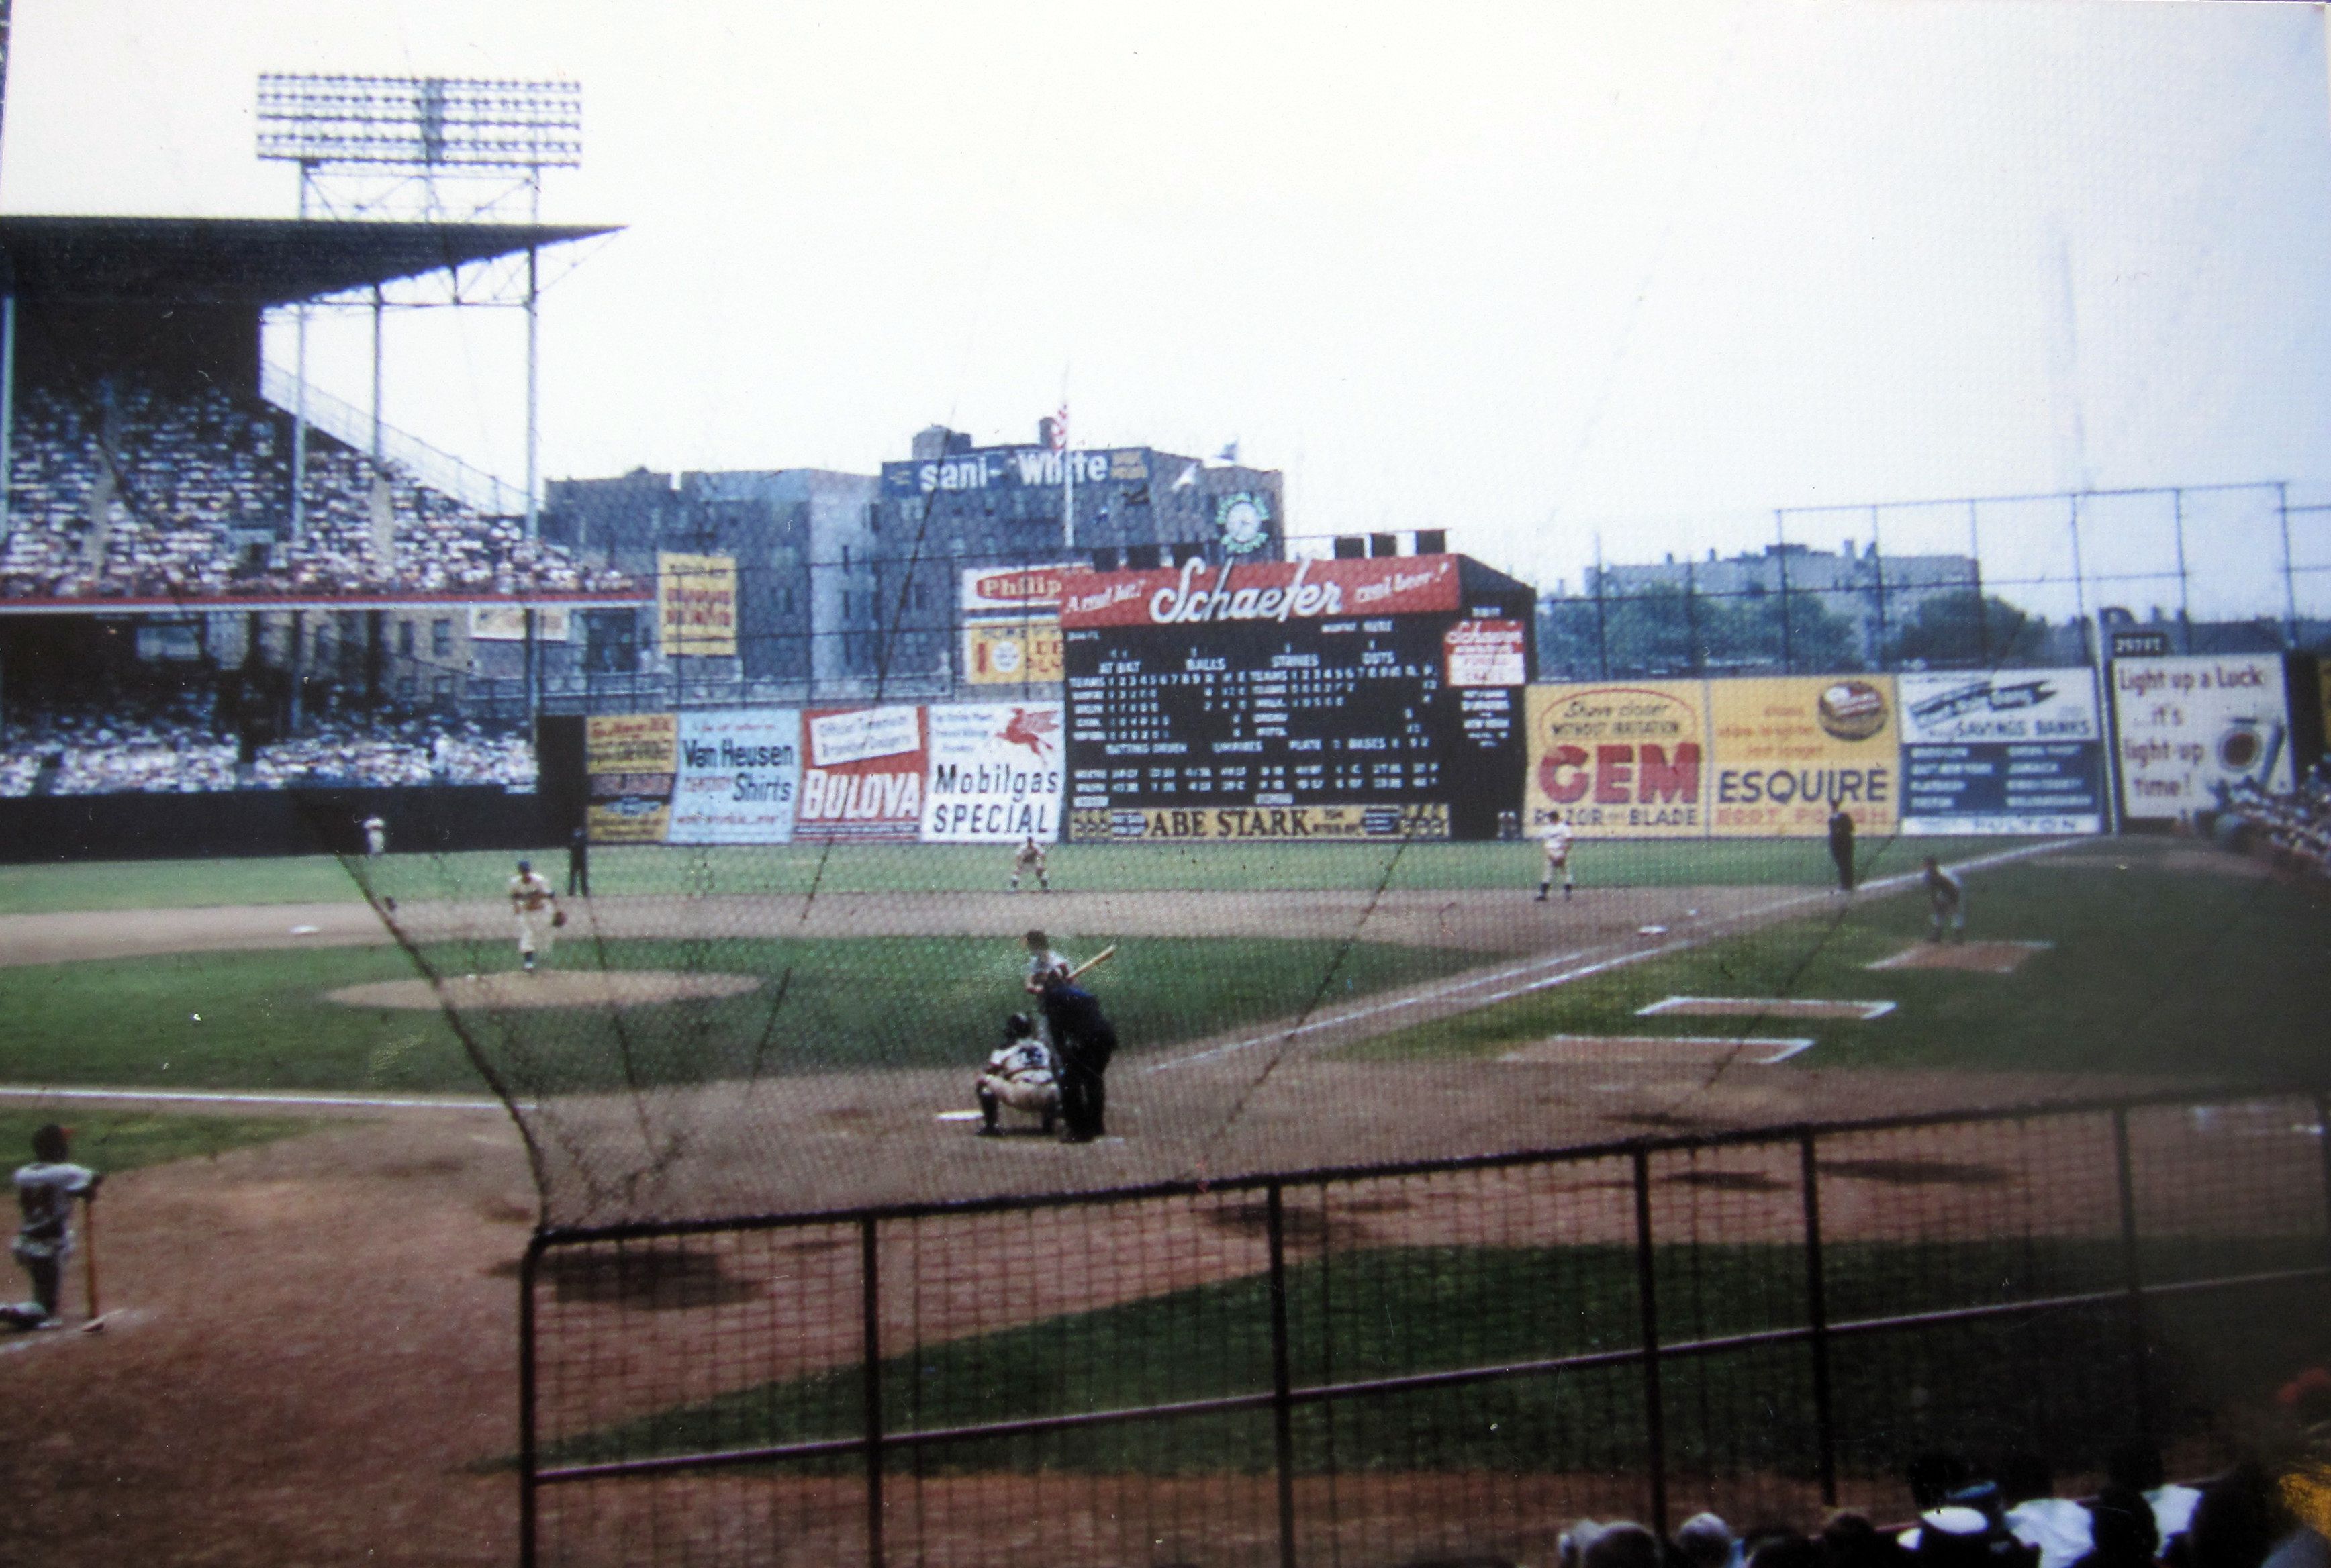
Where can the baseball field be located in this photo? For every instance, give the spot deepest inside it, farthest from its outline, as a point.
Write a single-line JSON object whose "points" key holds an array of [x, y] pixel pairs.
{"points": [[321, 1203]]}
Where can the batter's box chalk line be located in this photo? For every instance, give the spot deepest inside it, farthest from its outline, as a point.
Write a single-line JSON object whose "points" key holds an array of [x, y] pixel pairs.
{"points": [[1970, 957], [1600, 1050], [1762, 1007]]}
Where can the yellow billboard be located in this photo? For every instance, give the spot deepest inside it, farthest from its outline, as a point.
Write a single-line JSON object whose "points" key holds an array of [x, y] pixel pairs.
{"points": [[696, 605], [1619, 760], [630, 758], [1184, 824], [1785, 751], [1008, 653]]}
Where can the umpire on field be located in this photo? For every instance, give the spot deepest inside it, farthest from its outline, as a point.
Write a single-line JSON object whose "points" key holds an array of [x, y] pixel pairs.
{"points": [[1083, 1043]]}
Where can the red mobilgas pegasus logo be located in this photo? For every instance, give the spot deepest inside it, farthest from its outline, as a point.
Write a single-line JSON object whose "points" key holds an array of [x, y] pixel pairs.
{"points": [[1030, 726]]}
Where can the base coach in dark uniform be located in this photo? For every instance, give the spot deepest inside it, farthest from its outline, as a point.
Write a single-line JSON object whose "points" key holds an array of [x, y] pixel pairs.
{"points": [[1083, 1041]]}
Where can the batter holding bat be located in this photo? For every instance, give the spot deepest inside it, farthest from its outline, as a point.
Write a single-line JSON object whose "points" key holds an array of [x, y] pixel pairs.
{"points": [[535, 907]]}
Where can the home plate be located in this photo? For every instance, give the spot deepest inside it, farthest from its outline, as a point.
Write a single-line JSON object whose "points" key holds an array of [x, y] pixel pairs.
{"points": [[1677, 1050], [1762, 1007], [1980, 957]]}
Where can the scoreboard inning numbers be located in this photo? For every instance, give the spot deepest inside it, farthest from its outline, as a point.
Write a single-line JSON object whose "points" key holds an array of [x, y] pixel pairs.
{"points": [[1267, 709]]}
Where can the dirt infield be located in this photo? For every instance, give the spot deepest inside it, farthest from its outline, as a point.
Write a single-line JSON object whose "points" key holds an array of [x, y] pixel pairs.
{"points": [[546, 988]]}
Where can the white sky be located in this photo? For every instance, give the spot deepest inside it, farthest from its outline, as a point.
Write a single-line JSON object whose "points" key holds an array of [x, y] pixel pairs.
{"points": [[1530, 272]]}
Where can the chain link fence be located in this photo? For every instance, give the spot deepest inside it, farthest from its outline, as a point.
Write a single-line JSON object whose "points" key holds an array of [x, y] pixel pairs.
{"points": [[1423, 1362]]}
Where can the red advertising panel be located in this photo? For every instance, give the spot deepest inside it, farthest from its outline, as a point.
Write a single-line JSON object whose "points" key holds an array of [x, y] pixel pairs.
{"points": [[1260, 591], [862, 772]]}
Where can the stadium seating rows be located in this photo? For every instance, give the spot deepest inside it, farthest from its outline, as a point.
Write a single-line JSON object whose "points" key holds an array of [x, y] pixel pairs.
{"points": [[144, 490], [171, 746]]}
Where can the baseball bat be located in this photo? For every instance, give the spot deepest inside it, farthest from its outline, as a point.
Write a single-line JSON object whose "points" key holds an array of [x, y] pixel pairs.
{"points": [[89, 1264], [1095, 962]]}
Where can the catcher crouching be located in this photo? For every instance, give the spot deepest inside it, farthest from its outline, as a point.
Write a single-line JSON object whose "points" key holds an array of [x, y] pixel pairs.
{"points": [[1020, 1074]]}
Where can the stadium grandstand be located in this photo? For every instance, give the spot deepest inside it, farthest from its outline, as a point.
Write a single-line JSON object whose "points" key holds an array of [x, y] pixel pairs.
{"points": [[178, 610]]}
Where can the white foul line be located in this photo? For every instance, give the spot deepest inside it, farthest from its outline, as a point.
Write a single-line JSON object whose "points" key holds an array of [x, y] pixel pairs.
{"points": [[1883, 885], [194, 1097]]}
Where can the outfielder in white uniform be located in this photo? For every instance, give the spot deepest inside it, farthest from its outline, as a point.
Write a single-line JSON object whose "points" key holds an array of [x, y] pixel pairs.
{"points": [[535, 907], [1030, 857], [1557, 857]]}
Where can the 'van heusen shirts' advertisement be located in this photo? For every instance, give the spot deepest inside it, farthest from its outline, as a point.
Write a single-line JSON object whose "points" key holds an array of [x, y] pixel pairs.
{"points": [[739, 772], [1787, 749], [628, 757], [2009, 751], [862, 777]]}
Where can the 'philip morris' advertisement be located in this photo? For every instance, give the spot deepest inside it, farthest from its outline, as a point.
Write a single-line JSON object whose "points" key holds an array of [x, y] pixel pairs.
{"points": [[994, 773], [738, 775], [2016, 751], [2191, 728], [863, 773], [1788, 749], [628, 757], [1618, 761]]}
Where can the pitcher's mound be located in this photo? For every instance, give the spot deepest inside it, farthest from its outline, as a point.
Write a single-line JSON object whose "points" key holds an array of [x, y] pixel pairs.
{"points": [[548, 988], [1981, 957]]}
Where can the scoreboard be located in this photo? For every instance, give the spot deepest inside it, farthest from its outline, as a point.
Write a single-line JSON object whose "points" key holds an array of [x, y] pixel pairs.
{"points": [[1311, 699]]}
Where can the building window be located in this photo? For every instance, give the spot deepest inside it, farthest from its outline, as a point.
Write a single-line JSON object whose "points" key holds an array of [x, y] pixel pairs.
{"points": [[441, 637], [921, 597], [405, 639]]}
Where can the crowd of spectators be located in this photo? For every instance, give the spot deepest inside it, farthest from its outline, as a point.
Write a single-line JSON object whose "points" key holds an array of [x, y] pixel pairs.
{"points": [[2009, 1515], [173, 744], [2294, 829], [145, 490]]}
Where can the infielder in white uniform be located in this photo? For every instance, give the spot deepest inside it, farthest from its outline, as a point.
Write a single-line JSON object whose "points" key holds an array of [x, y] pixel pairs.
{"points": [[535, 907], [1557, 857], [1030, 857]]}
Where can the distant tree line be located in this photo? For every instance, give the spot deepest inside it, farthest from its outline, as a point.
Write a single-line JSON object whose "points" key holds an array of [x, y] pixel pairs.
{"points": [[1664, 631]]}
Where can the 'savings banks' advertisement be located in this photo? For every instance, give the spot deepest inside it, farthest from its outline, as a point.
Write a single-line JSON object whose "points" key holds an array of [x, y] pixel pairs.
{"points": [[2010, 751], [994, 773], [738, 777]]}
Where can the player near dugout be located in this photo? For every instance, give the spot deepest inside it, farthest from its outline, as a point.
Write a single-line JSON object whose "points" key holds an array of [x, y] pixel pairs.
{"points": [[45, 1190], [534, 905]]}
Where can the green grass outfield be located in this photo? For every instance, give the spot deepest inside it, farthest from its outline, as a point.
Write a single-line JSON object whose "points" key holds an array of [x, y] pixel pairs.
{"points": [[2052, 1382], [260, 1021], [117, 1140], [621, 869], [2151, 971]]}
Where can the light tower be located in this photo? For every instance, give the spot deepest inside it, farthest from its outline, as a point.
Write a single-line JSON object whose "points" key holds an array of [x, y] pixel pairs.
{"points": [[432, 148]]}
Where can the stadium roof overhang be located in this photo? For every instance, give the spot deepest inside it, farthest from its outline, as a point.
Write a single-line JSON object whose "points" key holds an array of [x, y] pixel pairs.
{"points": [[93, 604], [257, 261]]}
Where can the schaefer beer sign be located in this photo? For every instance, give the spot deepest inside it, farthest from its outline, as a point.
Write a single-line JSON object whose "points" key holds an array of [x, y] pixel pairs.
{"points": [[1279, 591]]}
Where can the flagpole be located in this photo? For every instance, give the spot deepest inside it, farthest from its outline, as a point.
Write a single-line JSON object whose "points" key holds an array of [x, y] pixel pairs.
{"points": [[1068, 482]]}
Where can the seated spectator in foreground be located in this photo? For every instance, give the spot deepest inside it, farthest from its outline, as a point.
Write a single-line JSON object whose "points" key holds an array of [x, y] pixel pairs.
{"points": [[2137, 1467], [2239, 1521], [1621, 1543], [1784, 1549], [1850, 1541], [2121, 1530], [2057, 1527], [1705, 1541]]}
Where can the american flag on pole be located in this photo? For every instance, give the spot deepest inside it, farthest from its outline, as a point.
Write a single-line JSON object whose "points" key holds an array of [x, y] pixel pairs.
{"points": [[1061, 429]]}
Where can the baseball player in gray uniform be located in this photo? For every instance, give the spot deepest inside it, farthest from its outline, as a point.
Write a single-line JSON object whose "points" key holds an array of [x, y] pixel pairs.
{"points": [[45, 1190]]}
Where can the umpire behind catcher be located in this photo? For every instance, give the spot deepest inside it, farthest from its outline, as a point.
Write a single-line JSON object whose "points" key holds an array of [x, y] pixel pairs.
{"points": [[1083, 1043]]}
